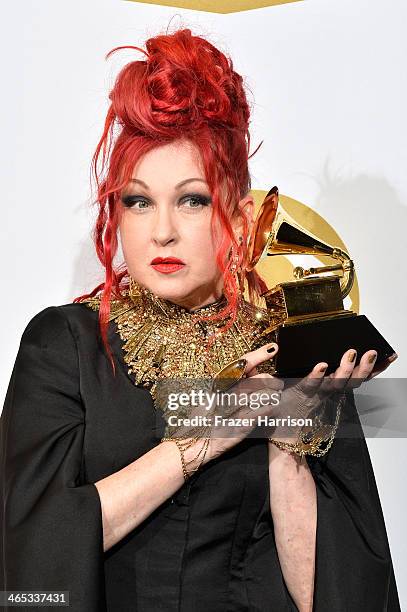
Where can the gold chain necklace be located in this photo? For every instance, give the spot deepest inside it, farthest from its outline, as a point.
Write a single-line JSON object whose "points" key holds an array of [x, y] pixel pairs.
{"points": [[163, 340]]}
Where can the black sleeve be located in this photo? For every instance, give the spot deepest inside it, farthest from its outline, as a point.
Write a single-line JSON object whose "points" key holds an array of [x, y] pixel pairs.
{"points": [[52, 534], [354, 569]]}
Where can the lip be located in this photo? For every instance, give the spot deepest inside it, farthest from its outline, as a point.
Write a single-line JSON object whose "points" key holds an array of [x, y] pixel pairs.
{"points": [[167, 265], [159, 260]]}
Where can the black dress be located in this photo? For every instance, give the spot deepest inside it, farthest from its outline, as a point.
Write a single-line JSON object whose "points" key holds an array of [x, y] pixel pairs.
{"points": [[68, 422]]}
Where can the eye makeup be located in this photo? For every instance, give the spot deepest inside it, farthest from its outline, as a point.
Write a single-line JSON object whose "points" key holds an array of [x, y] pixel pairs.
{"points": [[202, 200], [130, 200]]}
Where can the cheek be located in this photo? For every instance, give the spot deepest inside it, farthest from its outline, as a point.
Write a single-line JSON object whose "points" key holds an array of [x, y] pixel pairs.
{"points": [[132, 239], [201, 252]]}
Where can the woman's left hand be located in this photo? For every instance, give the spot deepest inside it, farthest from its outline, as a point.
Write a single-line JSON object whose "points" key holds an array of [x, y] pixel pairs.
{"points": [[316, 387], [347, 375], [307, 395]]}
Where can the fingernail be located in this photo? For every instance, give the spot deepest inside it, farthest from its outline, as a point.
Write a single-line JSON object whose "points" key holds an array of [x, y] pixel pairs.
{"points": [[272, 348], [393, 357], [372, 358], [323, 368], [351, 356]]}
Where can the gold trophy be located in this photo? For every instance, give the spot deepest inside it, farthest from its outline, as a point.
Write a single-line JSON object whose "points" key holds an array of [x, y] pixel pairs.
{"points": [[307, 316]]}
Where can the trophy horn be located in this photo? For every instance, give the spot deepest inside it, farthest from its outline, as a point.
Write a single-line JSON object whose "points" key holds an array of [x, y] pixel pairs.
{"points": [[275, 232]]}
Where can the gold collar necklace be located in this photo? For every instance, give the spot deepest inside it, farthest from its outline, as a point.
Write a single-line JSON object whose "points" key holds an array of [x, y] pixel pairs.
{"points": [[163, 340]]}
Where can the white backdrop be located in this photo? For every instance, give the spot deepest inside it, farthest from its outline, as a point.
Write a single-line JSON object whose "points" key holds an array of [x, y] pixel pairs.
{"points": [[329, 92]]}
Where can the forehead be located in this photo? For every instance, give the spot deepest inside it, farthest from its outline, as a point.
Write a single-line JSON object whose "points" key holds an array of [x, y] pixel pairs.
{"points": [[171, 163]]}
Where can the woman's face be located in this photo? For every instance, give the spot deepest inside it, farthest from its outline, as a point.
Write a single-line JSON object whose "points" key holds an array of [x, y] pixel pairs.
{"points": [[165, 227]]}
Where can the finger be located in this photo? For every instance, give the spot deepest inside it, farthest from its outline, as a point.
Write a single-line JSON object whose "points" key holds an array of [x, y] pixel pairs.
{"points": [[238, 368], [269, 381], [339, 379], [310, 384], [257, 384], [379, 368], [362, 371], [260, 355], [252, 372], [263, 400]]}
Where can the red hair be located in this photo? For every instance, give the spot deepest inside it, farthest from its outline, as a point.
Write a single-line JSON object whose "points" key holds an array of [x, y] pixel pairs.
{"points": [[185, 89]]}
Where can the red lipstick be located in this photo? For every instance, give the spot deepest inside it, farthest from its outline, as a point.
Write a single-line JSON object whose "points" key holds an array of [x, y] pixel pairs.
{"points": [[167, 265]]}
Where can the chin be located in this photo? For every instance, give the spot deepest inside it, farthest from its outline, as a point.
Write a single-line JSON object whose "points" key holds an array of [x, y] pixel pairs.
{"points": [[169, 287]]}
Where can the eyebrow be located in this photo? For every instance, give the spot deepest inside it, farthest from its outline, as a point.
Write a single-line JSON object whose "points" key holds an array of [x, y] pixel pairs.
{"points": [[178, 186]]}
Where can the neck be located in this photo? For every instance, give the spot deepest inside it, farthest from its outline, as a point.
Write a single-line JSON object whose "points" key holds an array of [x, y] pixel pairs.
{"points": [[159, 306], [195, 302], [200, 297]]}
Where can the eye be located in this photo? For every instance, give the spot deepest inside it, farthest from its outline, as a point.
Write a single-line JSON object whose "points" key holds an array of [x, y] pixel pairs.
{"points": [[131, 201], [195, 201]]}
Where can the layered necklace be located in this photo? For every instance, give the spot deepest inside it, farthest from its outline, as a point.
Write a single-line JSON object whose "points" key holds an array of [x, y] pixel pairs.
{"points": [[165, 341]]}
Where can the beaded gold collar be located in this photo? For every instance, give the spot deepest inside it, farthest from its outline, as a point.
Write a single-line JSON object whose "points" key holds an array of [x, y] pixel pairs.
{"points": [[162, 340]]}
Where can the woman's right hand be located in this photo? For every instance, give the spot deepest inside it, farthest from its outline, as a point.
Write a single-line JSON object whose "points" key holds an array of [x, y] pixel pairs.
{"points": [[223, 438]]}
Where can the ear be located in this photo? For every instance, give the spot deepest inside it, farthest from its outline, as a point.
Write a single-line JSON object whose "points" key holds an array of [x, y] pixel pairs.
{"points": [[246, 209]]}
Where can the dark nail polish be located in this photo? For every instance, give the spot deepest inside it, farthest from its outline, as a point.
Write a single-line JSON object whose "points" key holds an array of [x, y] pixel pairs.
{"points": [[272, 349], [372, 358]]}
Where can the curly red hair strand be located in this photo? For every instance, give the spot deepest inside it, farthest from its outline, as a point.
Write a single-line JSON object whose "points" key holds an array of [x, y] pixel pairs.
{"points": [[186, 88]]}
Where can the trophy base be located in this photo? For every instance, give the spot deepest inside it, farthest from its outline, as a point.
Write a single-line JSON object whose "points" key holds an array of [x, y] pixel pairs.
{"points": [[302, 346]]}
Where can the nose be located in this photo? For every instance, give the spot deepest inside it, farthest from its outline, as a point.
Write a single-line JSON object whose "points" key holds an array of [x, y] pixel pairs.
{"points": [[164, 228]]}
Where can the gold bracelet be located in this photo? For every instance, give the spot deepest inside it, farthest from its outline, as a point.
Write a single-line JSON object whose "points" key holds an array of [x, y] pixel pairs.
{"points": [[301, 448], [313, 446], [183, 445], [182, 449], [204, 449]]}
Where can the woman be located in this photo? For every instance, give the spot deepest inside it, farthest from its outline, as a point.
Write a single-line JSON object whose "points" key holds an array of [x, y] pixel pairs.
{"points": [[97, 500]]}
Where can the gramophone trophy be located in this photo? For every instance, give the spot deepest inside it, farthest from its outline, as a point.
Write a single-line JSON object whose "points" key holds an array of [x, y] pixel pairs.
{"points": [[307, 315]]}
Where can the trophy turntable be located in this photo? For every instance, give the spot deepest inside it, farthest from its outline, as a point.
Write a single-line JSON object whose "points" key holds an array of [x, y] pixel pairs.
{"points": [[307, 315]]}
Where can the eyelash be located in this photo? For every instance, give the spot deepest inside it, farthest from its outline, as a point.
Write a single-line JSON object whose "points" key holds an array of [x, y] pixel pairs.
{"points": [[129, 201]]}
